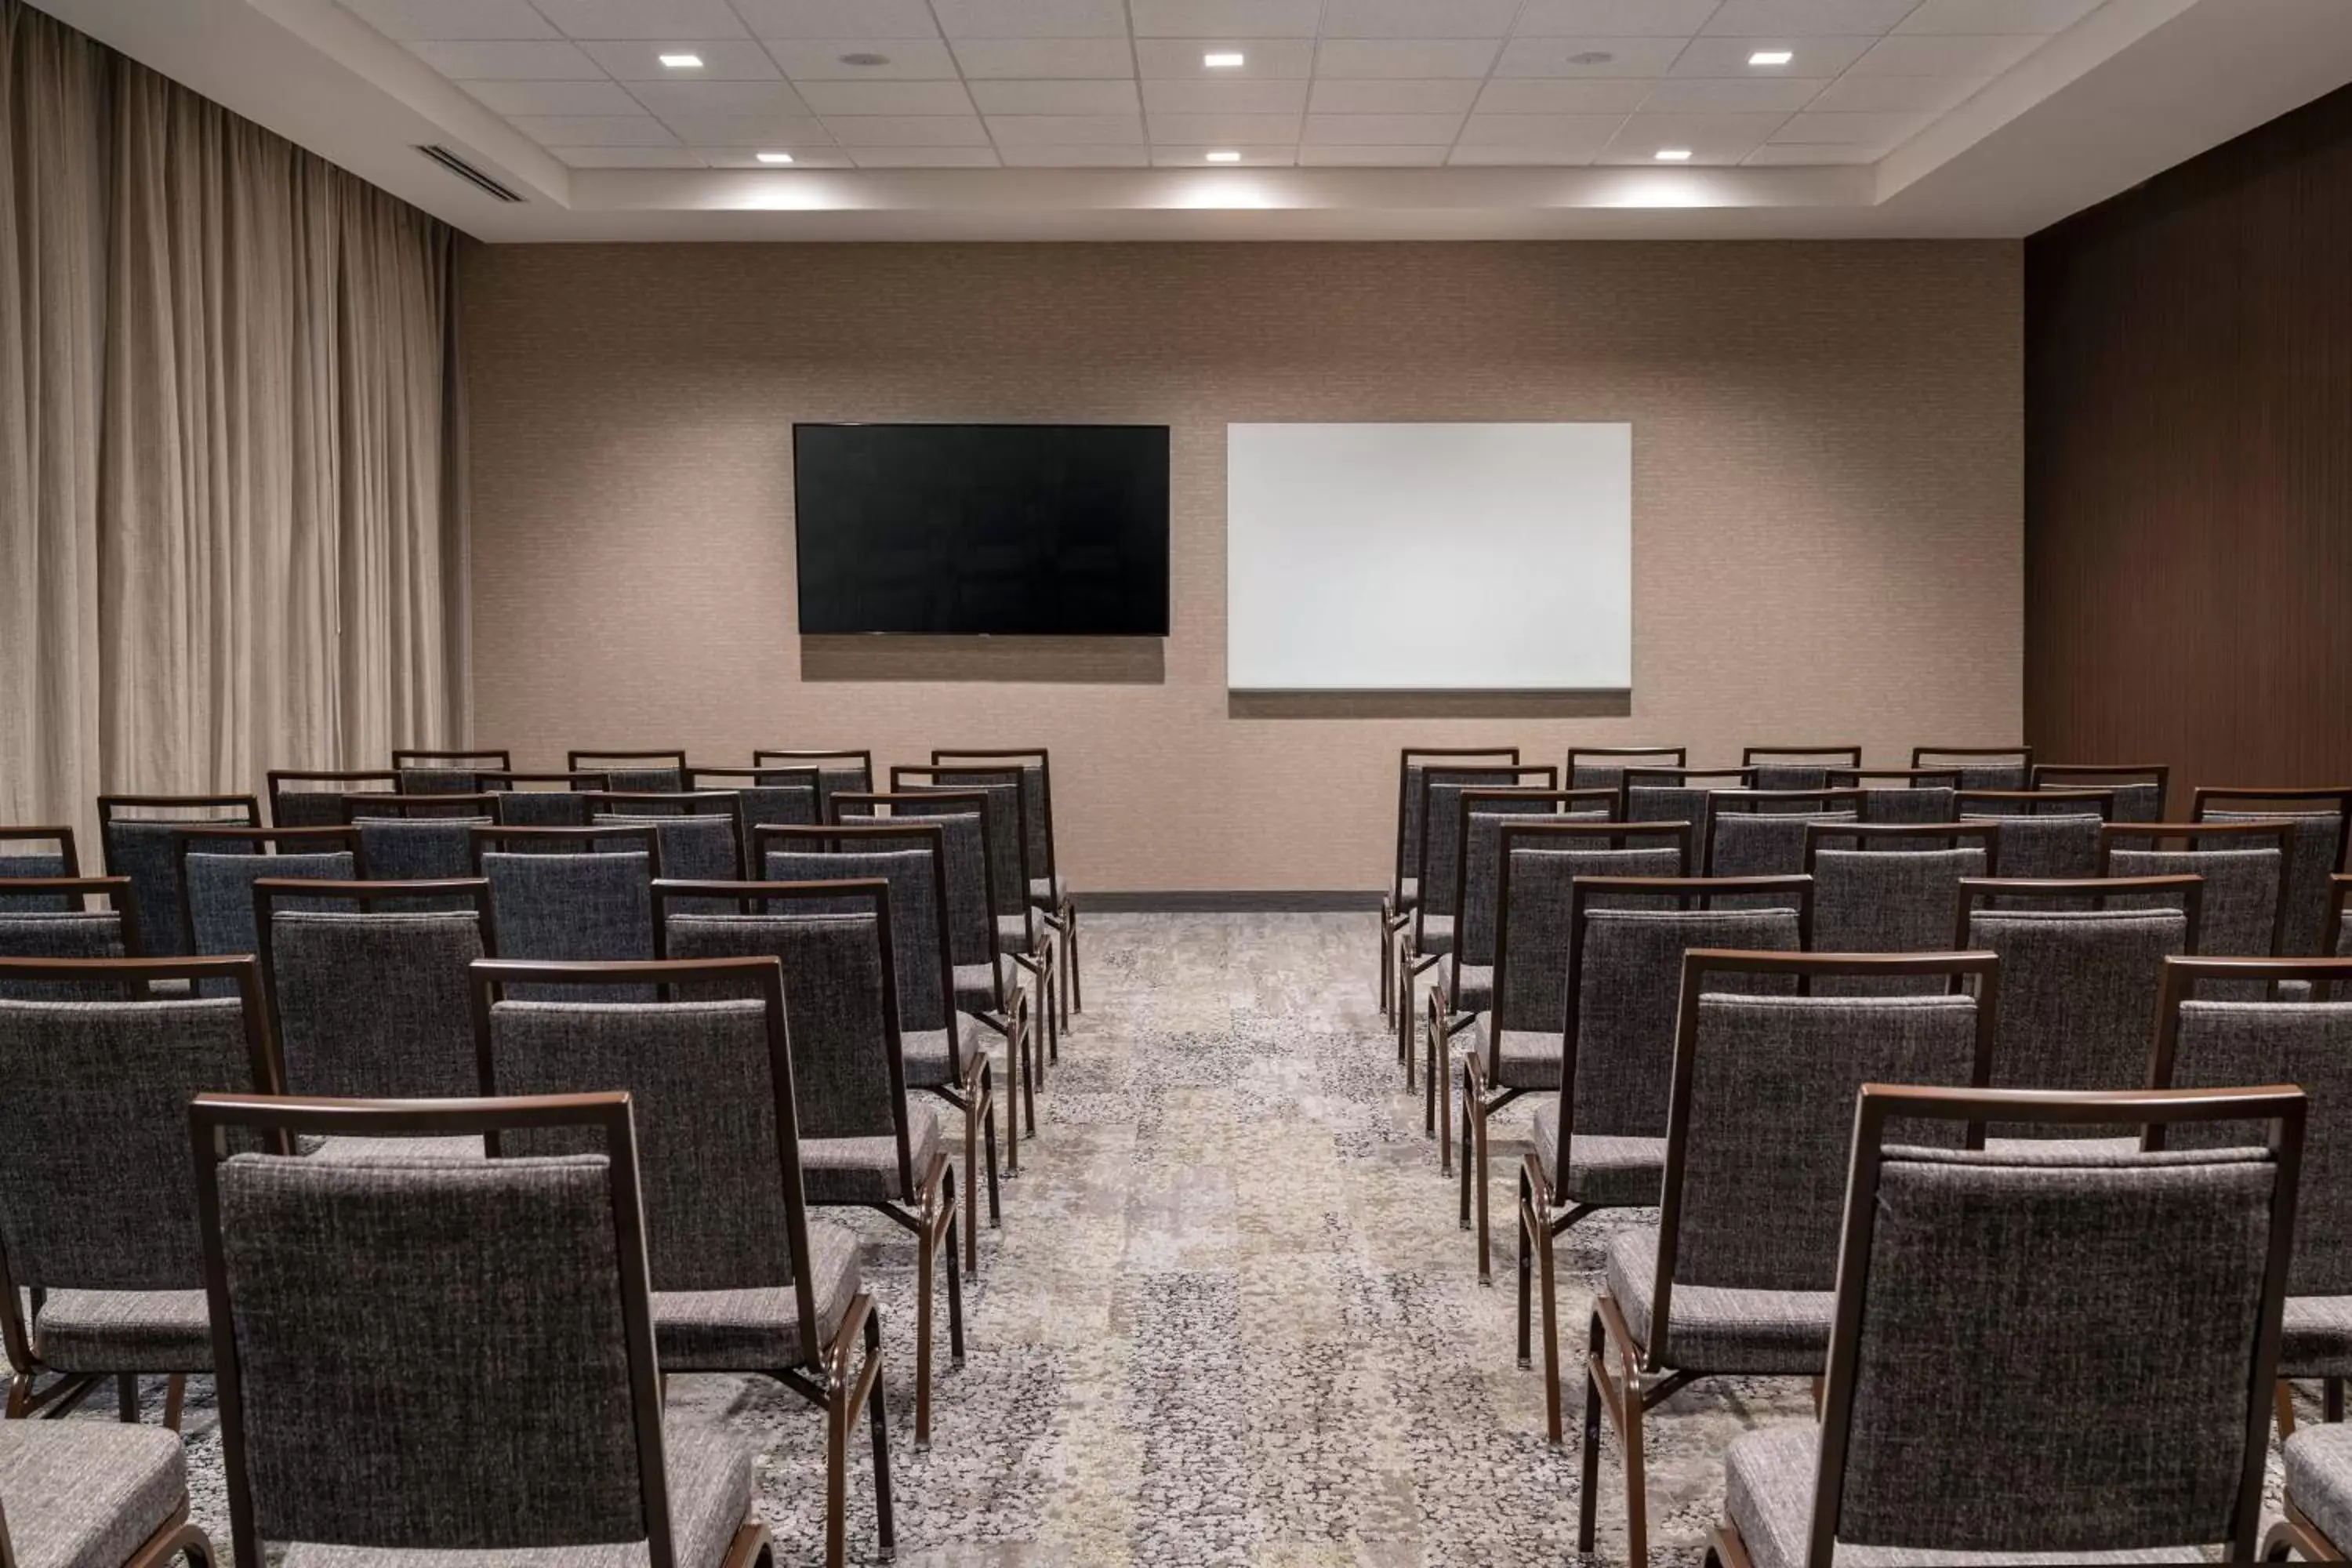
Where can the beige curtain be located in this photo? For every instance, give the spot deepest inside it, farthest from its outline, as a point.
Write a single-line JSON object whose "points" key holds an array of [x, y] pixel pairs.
{"points": [[274, 539]]}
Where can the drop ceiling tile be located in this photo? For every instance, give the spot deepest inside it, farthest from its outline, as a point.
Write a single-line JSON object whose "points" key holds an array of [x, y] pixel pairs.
{"points": [[1052, 155], [1580, 95], [886, 97], [1996, 16], [721, 61], [1881, 131], [1818, 56], [1574, 135], [628, 157], [1230, 96], [1897, 94], [678, 19], [595, 130], [1065, 130], [1451, 95], [1772, 155], [1614, 18], [1342, 156], [1030, 18], [1226, 18], [668, 98], [1739, 17], [1557, 154], [741, 130], [1926, 55], [1033, 60], [804, 156], [1057, 97], [1279, 155], [1407, 57], [1177, 59], [1224, 129], [1712, 95], [904, 59], [838, 18], [1711, 138], [1418, 18], [555, 97], [509, 62], [452, 21], [1588, 57], [858, 130], [960, 157], [1375, 130]]}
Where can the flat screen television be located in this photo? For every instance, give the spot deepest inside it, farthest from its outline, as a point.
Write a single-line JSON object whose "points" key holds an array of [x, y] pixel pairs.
{"points": [[1006, 529]]}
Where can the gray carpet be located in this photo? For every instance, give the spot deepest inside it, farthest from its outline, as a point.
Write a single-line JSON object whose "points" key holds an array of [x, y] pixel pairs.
{"points": [[1230, 1317]]}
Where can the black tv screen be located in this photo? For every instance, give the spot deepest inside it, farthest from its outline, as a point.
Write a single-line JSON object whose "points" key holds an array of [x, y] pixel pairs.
{"points": [[1031, 530]]}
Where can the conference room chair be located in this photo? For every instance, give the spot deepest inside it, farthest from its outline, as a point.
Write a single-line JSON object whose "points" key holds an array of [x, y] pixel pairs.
{"points": [[1403, 893], [96, 1211], [702, 832], [2323, 825], [659, 771], [1738, 1277], [136, 834], [1429, 935], [1797, 767], [941, 1053], [418, 839], [1020, 935], [566, 895], [218, 866], [316, 798], [333, 1283], [1761, 832], [2140, 789], [1678, 794], [542, 799], [770, 797], [35, 852], [1981, 767], [49, 917], [863, 1144], [1603, 767], [1515, 1047], [2243, 865], [841, 771], [1049, 889], [76, 1494], [1600, 1139], [458, 771], [2043, 833], [1881, 887], [2091, 1423]]}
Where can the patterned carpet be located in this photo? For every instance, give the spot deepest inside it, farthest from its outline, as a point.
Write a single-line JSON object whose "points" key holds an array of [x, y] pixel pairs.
{"points": [[1230, 1317]]}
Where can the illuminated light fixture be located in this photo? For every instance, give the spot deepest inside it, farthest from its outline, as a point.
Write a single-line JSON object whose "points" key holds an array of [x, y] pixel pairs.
{"points": [[682, 62], [1673, 154], [1224, 60], [1772, 57], [773, 157], [1224, 157]]}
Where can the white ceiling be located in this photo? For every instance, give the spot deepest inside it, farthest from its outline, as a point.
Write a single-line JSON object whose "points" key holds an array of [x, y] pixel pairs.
{"points": [[1353, 119]]}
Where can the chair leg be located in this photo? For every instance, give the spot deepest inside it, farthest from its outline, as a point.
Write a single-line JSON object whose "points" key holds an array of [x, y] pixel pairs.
{"points": [[1546, 1292], [1637, 1482], [1589, 1461], [971, 1115], [1469, 1121], [1388, 945], [885, 1530], [837, 1478], [1483, 1178], [955, 1277], [2282, 1401], [988, 1132], [126, 1397], [925, 1257], [176, 1398], [2331, 1400], [1070, 927], [1529, 1220]]}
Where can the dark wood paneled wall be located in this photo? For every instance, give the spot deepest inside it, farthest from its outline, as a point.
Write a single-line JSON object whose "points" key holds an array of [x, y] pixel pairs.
{"points": [[2188, 466]]}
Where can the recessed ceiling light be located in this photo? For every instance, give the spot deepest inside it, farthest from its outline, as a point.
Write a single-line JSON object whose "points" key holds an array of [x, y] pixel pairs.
{"points": [[1224, 157], [773, 157], [1673, 154], [683, 62], [865, 57], [1222, 59], [1772, 57]]}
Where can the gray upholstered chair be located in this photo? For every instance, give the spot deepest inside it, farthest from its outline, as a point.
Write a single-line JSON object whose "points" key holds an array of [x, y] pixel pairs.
{"points": [[1981, 767], [1738, 1275], [1429, 935], [702, 833], [2095, 1422], [1022, 938], [942, 1055], [76, 1494], [1902, 795], [2139, 789], [850, 772], [2045, 832], [1678, 794], [417, 838], [2243, 865], [543, 800], [1603, 767], [315, 797], [1761, 832], [460, 771], [661, 771], [570, 895], [1515, 1046], [98, 1215], [1889, 887], [2323, 828], [1049, 888], [770, 797], [1600, 1141], [136, 832], [218, 866], [1403, 893], [49, 917], [332, 1283], [1806, 768], [863, 1144], [29, 854]]}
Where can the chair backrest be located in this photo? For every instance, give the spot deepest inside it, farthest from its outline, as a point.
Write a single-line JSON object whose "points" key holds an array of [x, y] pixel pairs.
{"points": [[2043, 833], [438, 806], [661, 771], [769, 797], [1888, 887], [2139, 788], [2323, 825], [836, 772], [1538, 861], [2095, 1420], [1603, 767], [1006, 790], [2080, 965], [23, 857], [962, 818], [1477, 896], [371, 1004], [332, 1281], [1037, 800], [572, 894], [1624, 976], [1412, 761], [60, 925], [426, 850], [1760, 1122], [1442, 789], [1762, 833], [2208, 1043], [702, 833], [1678, 794], [462, 771], [314, 797], [545, 800], [911, 856], [2244, 866], [1778, 768], [218, 866], [1981, 767], [136, 832]]}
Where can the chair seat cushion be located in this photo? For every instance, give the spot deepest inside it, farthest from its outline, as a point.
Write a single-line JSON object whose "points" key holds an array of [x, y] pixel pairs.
{"points": [[1529, 1058], [1762, 1333], [973, 990], [2319, 1478], [1049, 892], [124, 1330], [865, 1170], [1620, 1173], [1769, 1481], [710, 1477], [87, 1494], [2315, 1338], [394, 1151], [1014, 935], [1473, 986], [934, 1057], [757, 1330]]}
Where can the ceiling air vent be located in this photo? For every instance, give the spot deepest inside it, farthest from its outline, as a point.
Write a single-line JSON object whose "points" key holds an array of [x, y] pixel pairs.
{"points": [[470, 174]]}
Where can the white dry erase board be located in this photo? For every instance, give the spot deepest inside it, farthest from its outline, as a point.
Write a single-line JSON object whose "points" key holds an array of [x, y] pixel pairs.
{"points": [[1429, 557]]}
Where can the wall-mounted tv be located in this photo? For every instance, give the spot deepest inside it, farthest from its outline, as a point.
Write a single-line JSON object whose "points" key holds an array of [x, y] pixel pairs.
{"points": [[1006, 529]]}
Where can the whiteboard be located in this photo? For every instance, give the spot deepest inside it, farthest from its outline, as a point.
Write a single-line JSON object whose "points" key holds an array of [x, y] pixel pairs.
{"points": [[1429, 557]]}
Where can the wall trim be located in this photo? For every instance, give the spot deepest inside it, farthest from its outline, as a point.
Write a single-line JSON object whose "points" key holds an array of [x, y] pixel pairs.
{"points": [[1279, 900]]}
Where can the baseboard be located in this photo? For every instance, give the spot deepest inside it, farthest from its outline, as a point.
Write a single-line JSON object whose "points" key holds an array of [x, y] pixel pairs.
{"points": [[1303, 901]]}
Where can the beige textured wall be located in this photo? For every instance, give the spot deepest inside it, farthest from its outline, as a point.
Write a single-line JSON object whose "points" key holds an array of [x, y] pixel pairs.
{"points": [[1828, 468]]}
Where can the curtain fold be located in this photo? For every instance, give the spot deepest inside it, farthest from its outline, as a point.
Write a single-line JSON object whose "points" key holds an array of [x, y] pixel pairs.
{"points": [[252, 464]]}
